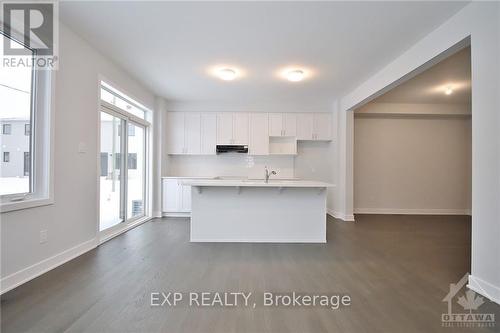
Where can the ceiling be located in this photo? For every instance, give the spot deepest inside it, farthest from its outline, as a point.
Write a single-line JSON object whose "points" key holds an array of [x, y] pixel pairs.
{"points": [[171, 46], [430, 86]]}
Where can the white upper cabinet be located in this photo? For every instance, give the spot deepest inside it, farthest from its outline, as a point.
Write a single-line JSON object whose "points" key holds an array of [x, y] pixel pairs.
{"points": [[282, 124], [259, 134], [240, 128], [175, 133], [314, 126], [290, 124], [192, 133], [275, 124], [232, 128], [198, 133], [224, 128], [304, 126], [208, 133], [322, 126]]}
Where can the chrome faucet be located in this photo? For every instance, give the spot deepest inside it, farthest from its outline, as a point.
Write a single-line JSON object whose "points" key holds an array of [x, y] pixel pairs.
{"points": [[269, 174]]}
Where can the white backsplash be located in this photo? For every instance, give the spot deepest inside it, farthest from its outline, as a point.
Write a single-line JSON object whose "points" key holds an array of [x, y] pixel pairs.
{"points": [[230, 165]]}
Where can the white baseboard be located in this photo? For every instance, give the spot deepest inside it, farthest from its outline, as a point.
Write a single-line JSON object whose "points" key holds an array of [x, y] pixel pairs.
{"points": [[156, 214], [412, 211], [340, 216], [484, 288], [18, 278]]}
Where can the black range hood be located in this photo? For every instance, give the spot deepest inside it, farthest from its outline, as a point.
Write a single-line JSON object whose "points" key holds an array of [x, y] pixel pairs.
{"points": [[242, 149]]}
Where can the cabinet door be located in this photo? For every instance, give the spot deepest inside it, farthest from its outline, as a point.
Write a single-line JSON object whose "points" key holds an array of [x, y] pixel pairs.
{"points": [[192, 139], [289, 124], [240, 128], [175, 133], [322, 126], [259, 134], [275, 124], [170, 194], [304, 126], [185, 191], [224, 128], [208, 133]]}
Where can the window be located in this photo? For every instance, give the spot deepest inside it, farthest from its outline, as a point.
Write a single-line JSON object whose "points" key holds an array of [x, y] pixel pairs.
{"points": [[7, 129], [27, 163], [131, 130], [6, 156], [16, 103], [26, 129], [120, 100], [131, 160]]}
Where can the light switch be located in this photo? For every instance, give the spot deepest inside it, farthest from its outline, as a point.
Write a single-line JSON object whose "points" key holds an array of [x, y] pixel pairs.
{"points": [[82, 148]]}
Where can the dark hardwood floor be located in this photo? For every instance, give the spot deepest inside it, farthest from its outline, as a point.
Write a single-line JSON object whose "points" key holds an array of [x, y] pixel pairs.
{"points": [[396, 269]]}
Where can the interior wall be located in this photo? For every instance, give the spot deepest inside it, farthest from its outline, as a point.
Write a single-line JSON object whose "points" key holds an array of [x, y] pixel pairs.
{"points": [[479, 21], [72, 221], [414, 162]]}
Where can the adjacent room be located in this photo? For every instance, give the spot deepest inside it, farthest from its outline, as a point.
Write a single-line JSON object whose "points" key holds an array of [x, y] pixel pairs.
{"points": [[250, 166]]}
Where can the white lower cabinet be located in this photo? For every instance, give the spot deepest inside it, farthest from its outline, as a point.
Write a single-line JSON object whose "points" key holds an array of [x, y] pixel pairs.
{"points": [[176, 197]]}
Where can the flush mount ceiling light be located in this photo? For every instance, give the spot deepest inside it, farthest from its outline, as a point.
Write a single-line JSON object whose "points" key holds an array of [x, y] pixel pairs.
{"points": [[295, 75], [448, 90], [226, 74]]}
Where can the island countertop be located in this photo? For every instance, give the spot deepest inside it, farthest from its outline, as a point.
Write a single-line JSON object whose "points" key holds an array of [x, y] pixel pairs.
{"points": [[255, 183]]}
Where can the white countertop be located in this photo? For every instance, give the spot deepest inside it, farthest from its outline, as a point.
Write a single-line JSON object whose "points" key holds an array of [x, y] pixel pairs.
{"points": [[184, 177], [255, 183]]}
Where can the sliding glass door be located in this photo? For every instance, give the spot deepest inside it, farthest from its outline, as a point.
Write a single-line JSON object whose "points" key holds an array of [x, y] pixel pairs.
{"points": [[136, 171], [111, 171], [122, 180]]}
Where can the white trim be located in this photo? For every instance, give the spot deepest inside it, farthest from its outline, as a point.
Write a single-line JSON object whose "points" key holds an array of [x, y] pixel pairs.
{"points": [[43, 144], [484, 288], [340, 216], [26, 274], [117, 87], [176, 214], [25, 204], [157, 214], [412, 211], [119, 229]]}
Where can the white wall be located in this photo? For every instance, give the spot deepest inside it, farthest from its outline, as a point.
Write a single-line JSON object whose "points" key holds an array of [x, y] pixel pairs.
{"points": [[71, 221], [480, 22], [414, 162]]}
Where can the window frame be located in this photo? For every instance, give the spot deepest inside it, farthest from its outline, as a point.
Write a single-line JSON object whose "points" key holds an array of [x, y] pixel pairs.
{"points": [[4, 126], [6, 157], [41, 141]]}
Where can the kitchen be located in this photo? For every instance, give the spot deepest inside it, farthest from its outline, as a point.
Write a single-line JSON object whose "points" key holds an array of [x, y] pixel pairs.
{"points": [[246, 153]]}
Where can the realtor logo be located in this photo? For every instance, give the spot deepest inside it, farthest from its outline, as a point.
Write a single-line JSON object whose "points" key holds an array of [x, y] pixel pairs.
{"points": [[32, 28], [469, 301]]}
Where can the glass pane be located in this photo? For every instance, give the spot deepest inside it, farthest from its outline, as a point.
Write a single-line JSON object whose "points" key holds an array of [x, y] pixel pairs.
{"points": [[15, 127], [110, 172], [136, 171], [121, 103]]}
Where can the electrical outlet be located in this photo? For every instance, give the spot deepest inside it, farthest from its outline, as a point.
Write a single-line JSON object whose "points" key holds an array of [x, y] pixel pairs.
{"points": [[43, 236]]}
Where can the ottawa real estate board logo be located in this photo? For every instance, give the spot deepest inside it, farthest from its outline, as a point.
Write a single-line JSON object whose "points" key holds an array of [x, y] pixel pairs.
{"points": [[470, 302], [30, 34]]}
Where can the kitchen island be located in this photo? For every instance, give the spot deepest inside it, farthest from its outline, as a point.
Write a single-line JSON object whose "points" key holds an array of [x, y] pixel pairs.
{"points": [[279, 211]]}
